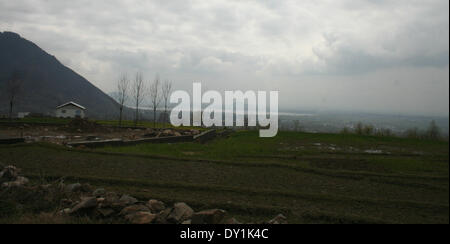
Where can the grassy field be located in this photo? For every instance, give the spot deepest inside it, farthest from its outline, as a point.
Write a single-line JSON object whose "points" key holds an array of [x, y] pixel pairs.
{"points": [[311, 178]]}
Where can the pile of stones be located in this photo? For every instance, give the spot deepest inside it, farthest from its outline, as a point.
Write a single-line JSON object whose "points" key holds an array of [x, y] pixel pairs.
{"points": [[103, 204], [9, 177], [78, 200]]}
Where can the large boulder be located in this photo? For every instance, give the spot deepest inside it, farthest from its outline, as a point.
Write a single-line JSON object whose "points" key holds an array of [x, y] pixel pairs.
{"points": [[126, 200], [231, 221], [168, 132], [20, 181], [9, 173], [66, 202], [180, 213], [162, 216], [105, 212], [73, 187], [156, 206], [9, 177], [100, 192], [111, 197], [85, 204], [141, 218], [279, 219], [213, 216], [87, 188], [133, 209]]}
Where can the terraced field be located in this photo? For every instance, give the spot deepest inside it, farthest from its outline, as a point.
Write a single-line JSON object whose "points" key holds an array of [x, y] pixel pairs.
{"points": [[311, 178]]}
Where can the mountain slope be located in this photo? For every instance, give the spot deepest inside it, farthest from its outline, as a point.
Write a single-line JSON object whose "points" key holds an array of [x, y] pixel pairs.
{"points": [[46, 82]]}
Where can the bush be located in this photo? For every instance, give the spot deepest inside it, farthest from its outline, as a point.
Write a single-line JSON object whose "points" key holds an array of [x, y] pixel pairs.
{"points": [[345, 130], [359, 129], [368, 130], [433, 132], [384, 133], [412, 133]]}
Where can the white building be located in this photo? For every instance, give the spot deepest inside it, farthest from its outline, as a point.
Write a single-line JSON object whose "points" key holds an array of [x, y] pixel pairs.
{"points": [[22, 115], [70, 110]]}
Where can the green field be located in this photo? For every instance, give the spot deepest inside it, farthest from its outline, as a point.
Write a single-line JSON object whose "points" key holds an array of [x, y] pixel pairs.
{"points": [[311, 178]]}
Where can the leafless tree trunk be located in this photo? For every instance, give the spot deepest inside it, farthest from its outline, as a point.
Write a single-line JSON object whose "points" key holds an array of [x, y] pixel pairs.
{"points": [[13, 88], [123, 85], [166, 91], [138, 94], [155, 97]]}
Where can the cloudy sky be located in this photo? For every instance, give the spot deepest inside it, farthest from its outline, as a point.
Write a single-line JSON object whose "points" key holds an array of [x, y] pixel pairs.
{"points": [[365, 55]]}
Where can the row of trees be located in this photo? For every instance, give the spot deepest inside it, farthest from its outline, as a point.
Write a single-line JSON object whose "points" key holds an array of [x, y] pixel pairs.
{"points": [[433, 132], [138, 91]]}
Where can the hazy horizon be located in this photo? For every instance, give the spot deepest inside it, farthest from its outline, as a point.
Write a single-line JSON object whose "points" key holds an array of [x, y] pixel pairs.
{"points": [[368, 56]]}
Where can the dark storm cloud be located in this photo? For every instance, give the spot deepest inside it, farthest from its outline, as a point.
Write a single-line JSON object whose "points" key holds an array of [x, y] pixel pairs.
{"points": [[259, 44]]}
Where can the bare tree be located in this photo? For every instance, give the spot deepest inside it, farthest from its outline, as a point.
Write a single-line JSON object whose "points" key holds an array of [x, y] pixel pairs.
{"points": [[123, 85], [412, 133], [138, 94], [297, 126], [13, 89], [166, 91], [359, 129], [155, 97], [433, 131]]}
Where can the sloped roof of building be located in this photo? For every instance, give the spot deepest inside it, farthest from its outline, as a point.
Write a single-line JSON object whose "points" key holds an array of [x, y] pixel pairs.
{"points": [[71, 103]]}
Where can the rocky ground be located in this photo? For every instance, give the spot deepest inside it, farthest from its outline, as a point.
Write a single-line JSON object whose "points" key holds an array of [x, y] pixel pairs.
{"points": [[83, 130], [81, 200]]}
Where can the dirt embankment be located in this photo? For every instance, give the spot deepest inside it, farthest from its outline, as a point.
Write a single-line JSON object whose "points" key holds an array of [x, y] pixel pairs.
{"points": [[84, 130]]}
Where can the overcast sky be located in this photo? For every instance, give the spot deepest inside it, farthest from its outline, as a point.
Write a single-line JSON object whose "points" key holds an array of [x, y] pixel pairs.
{"points": [[365, 55]]}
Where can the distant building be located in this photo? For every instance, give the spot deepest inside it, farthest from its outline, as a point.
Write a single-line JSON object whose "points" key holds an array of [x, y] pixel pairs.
{"points": [[22, 115], [70, 110]]}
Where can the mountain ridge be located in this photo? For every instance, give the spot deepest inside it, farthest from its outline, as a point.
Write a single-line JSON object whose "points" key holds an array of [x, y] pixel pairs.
{"points": [[47, 83]]}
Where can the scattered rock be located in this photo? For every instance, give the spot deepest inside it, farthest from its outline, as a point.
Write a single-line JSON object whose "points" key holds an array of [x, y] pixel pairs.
{"points": [[86, 203], [231, 221], [141, 218], [180, 213], [187, 222], [167, 133], [213, 216], [9, 177], [9, 173], [106, 212], [150, 134], [91, 138], [65, 211], [102, 204], [161, 217], [45, 187], [126, 200], [279, 219], [66, 202], [20, 181], [156, 206], [100, 192], [100, 200], [73, 187], [133, 209], [86, 188], [111, 197]]}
